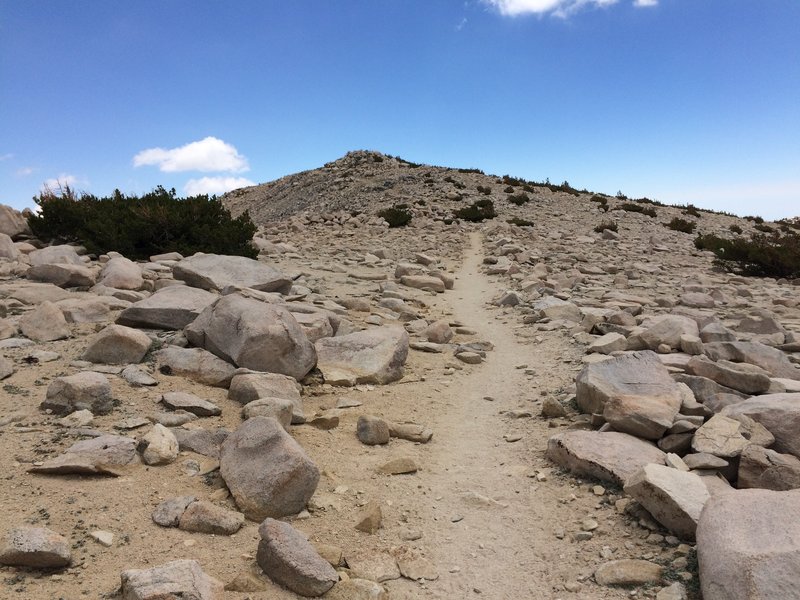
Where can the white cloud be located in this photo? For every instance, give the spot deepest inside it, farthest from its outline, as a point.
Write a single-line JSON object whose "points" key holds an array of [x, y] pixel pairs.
{"points": [[461, 24], [209, 154], [63, 180], [558, 8], [25, 171], [8, 156], [215, 185]]}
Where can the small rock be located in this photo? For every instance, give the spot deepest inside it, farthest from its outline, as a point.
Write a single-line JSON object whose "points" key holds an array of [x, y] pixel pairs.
{"points": [[35, 547], [399, 466], [372, 430], [370, 519], [628, 572]]}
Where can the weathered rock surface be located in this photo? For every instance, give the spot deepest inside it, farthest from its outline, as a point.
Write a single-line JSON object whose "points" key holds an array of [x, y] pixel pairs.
{"points": [[634, 393], [117, 345], [628, 571], [267, 472], [720, 436], [610, 456], [122, 274], [674, 498], [247, 387], [748, 545], [254, 335], [190, 403], [372, 356], [35, 547], [754, 353], [103, 455], [45, 323], [160, 446], [182, 579], [216, 272], [290, 560], [732, 375], [763, 468], [779, 413], [87, 390], [196, 364], [172, 307], [205, 517]]}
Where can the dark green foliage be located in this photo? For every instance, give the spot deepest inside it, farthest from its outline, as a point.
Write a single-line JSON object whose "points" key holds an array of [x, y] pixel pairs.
{"points": [[377, 158], [478, 171], [509, 189], [606, 225], [602, 201], [479, 210], [763, 228], [621, 196], [519, 199], [735, 228], [754, 219], [773, 255], [396, 216], [638, 208], [486, 190], [678, 224], [692, 211], [520, 222], [139, 227]]}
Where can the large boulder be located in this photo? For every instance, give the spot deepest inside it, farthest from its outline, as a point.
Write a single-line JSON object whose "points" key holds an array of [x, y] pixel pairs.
{"points": [[370, 356], [63, 275], [122, 273], [255, 335], [267, 472], [12, 222], [755, 353], [195, 364], [183, 579], [291, 561], [172, 307], [609, 456], [763, 468], [51, 255], [748, 545], [743, 377], [216, 272], [7, 248], [87, 390], [117, 345], [45, 323], [634, 392], [668, 329], [675, 498], [249, 387], [779, 413]]}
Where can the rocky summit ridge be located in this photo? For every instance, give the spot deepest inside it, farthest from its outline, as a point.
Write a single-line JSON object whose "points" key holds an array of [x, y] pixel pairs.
{"points": [[529, 406]]}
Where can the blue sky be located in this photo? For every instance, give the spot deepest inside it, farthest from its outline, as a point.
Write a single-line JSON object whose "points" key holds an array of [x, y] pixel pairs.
{"points": [[679, 100]]}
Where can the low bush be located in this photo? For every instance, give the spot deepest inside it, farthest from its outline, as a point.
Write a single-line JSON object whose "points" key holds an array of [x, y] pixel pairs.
{"points": [[605, 225], [519, 199], [602, 201], [476, 212], [735, 228], [139, 227], [678, 224], [692, 211], [520, 222], [766, 255], [509, 189], [638, 208], [484, 190], [396, 216], [763, 228]]}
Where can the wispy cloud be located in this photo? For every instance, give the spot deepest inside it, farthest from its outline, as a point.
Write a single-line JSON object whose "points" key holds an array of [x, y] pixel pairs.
{"points": [[461, 24], [63, 180], [25, 171], [557, 8], [215, 185], [7, 156], [210, 155]]}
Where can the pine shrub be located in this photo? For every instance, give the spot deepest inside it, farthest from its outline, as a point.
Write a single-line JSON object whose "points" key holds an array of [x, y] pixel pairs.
{"points": [[396, 216], [678, 224], [765, 255], [478, 211]]}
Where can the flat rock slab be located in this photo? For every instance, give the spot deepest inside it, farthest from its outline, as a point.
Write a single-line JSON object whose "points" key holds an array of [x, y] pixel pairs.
{"points": [[190, 403], [172, 307], [675, 498], [768, 358], [372, 356], [35, 547], [748, 545], [609, 456], [634, 392], [721, 437], [202, 441], [767, 469], [628, 572], [267, 472], [255, 335], [205, 517], [216, 272], [104, 455], [732, 375], [290, 560], [176, 579], [195, 364]]}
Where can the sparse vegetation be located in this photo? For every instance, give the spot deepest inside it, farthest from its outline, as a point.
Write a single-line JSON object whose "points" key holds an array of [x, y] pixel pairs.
{"points": [[485, 190], [735, 228], [520, 222], [764, 255], [139, 227], [606, 224], [638, 208], [396, 216], [678, 224], [478, 211], [602, 201], [763, 228], [692, 211], [519, 199]]}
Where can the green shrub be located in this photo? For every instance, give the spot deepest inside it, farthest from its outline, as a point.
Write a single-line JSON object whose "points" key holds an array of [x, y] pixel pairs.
{"points": [[477, 171], [139, 227], [605, 225], [678, 224], [509, 189], [484, 190], [520, 222], [735, 228], [773, 255], [601, 200], [477, 211], [692, 211], [519, 199], [754, 219], [638, 208], [396, 216], [763, 228]]}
